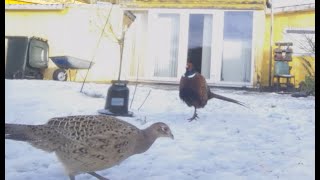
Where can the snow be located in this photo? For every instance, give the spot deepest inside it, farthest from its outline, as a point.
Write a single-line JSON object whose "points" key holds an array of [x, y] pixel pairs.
{"points": [[274, 139]]}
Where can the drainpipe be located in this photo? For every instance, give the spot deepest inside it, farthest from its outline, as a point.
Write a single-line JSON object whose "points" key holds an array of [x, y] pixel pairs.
{"points": [[271, 41]]}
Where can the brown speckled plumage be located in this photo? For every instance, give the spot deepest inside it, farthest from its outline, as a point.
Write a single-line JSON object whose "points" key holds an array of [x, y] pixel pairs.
{"points": [[85, 144]]}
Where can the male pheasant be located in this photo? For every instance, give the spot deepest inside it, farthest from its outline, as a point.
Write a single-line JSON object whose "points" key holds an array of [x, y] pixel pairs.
{"points": [[195, 92]]}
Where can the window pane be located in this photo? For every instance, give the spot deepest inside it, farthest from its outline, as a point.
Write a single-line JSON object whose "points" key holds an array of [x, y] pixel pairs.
{"points": [[303, 41], [199, 42], [136, 38], [237, 46], [166, 45], [5, 50]]}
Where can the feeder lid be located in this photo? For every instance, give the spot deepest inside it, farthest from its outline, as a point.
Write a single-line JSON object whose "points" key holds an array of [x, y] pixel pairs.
{"points": [[283, 43], [119, 82]]}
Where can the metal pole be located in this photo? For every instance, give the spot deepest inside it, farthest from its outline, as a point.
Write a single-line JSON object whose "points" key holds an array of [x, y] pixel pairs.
{"points": [[121, 53], [271, 43]]}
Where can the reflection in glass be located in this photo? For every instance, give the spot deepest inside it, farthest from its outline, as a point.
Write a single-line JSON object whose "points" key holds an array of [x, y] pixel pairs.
{"points": [[237, 46]]}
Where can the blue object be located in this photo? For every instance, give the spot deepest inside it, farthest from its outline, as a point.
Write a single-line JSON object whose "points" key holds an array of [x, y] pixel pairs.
{"points": [[281, 68], [68, 62]]}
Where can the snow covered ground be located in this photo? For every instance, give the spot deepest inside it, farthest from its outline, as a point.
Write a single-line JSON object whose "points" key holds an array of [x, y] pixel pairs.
{"points": [[274, 139]]}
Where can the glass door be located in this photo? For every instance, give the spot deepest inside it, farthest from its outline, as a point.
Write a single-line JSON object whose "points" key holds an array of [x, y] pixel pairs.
{"points": [[166, 45], [5, 51], [200, 42], [237, 46]]}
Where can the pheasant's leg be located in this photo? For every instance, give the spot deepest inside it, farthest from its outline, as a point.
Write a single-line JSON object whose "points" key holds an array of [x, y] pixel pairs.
{"points": [[195, 115], [72, 177], [97, 176]]}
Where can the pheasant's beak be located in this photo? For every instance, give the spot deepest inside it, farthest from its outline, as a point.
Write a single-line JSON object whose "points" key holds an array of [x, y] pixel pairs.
{"points": [[171, 135]]}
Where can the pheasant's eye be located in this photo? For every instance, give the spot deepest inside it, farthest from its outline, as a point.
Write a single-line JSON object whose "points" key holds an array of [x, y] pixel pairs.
{"points": [[165, 129]]}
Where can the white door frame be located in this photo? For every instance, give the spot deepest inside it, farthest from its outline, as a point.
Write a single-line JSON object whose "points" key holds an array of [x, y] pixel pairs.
{"points": [[216, 48], [217, 80]]}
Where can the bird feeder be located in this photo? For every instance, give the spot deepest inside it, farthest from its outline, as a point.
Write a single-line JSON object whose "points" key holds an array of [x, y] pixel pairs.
{"points": [[118, 94], [117, 99], [288, 54]]}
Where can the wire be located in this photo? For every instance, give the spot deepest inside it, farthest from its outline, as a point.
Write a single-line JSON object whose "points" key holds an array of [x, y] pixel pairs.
{"points": [[94, 55]]}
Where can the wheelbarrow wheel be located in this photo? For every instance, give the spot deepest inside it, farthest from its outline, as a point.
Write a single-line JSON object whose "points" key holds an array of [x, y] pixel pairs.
{"points": [[60, 75]]}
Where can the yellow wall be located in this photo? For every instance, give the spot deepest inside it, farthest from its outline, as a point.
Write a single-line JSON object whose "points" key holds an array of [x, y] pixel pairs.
{"points": [[41, 1], [16, 2], [282, 21], [74, 31]]}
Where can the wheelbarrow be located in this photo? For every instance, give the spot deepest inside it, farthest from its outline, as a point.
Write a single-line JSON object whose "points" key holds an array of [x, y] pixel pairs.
{"points": [[66, 63]]}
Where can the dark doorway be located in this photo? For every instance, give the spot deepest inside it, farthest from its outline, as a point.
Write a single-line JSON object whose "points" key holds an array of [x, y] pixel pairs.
{"points": [[199, 42]]}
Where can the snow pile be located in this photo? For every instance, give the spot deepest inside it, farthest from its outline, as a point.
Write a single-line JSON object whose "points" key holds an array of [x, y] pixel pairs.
{"points": [[274, 139]]}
